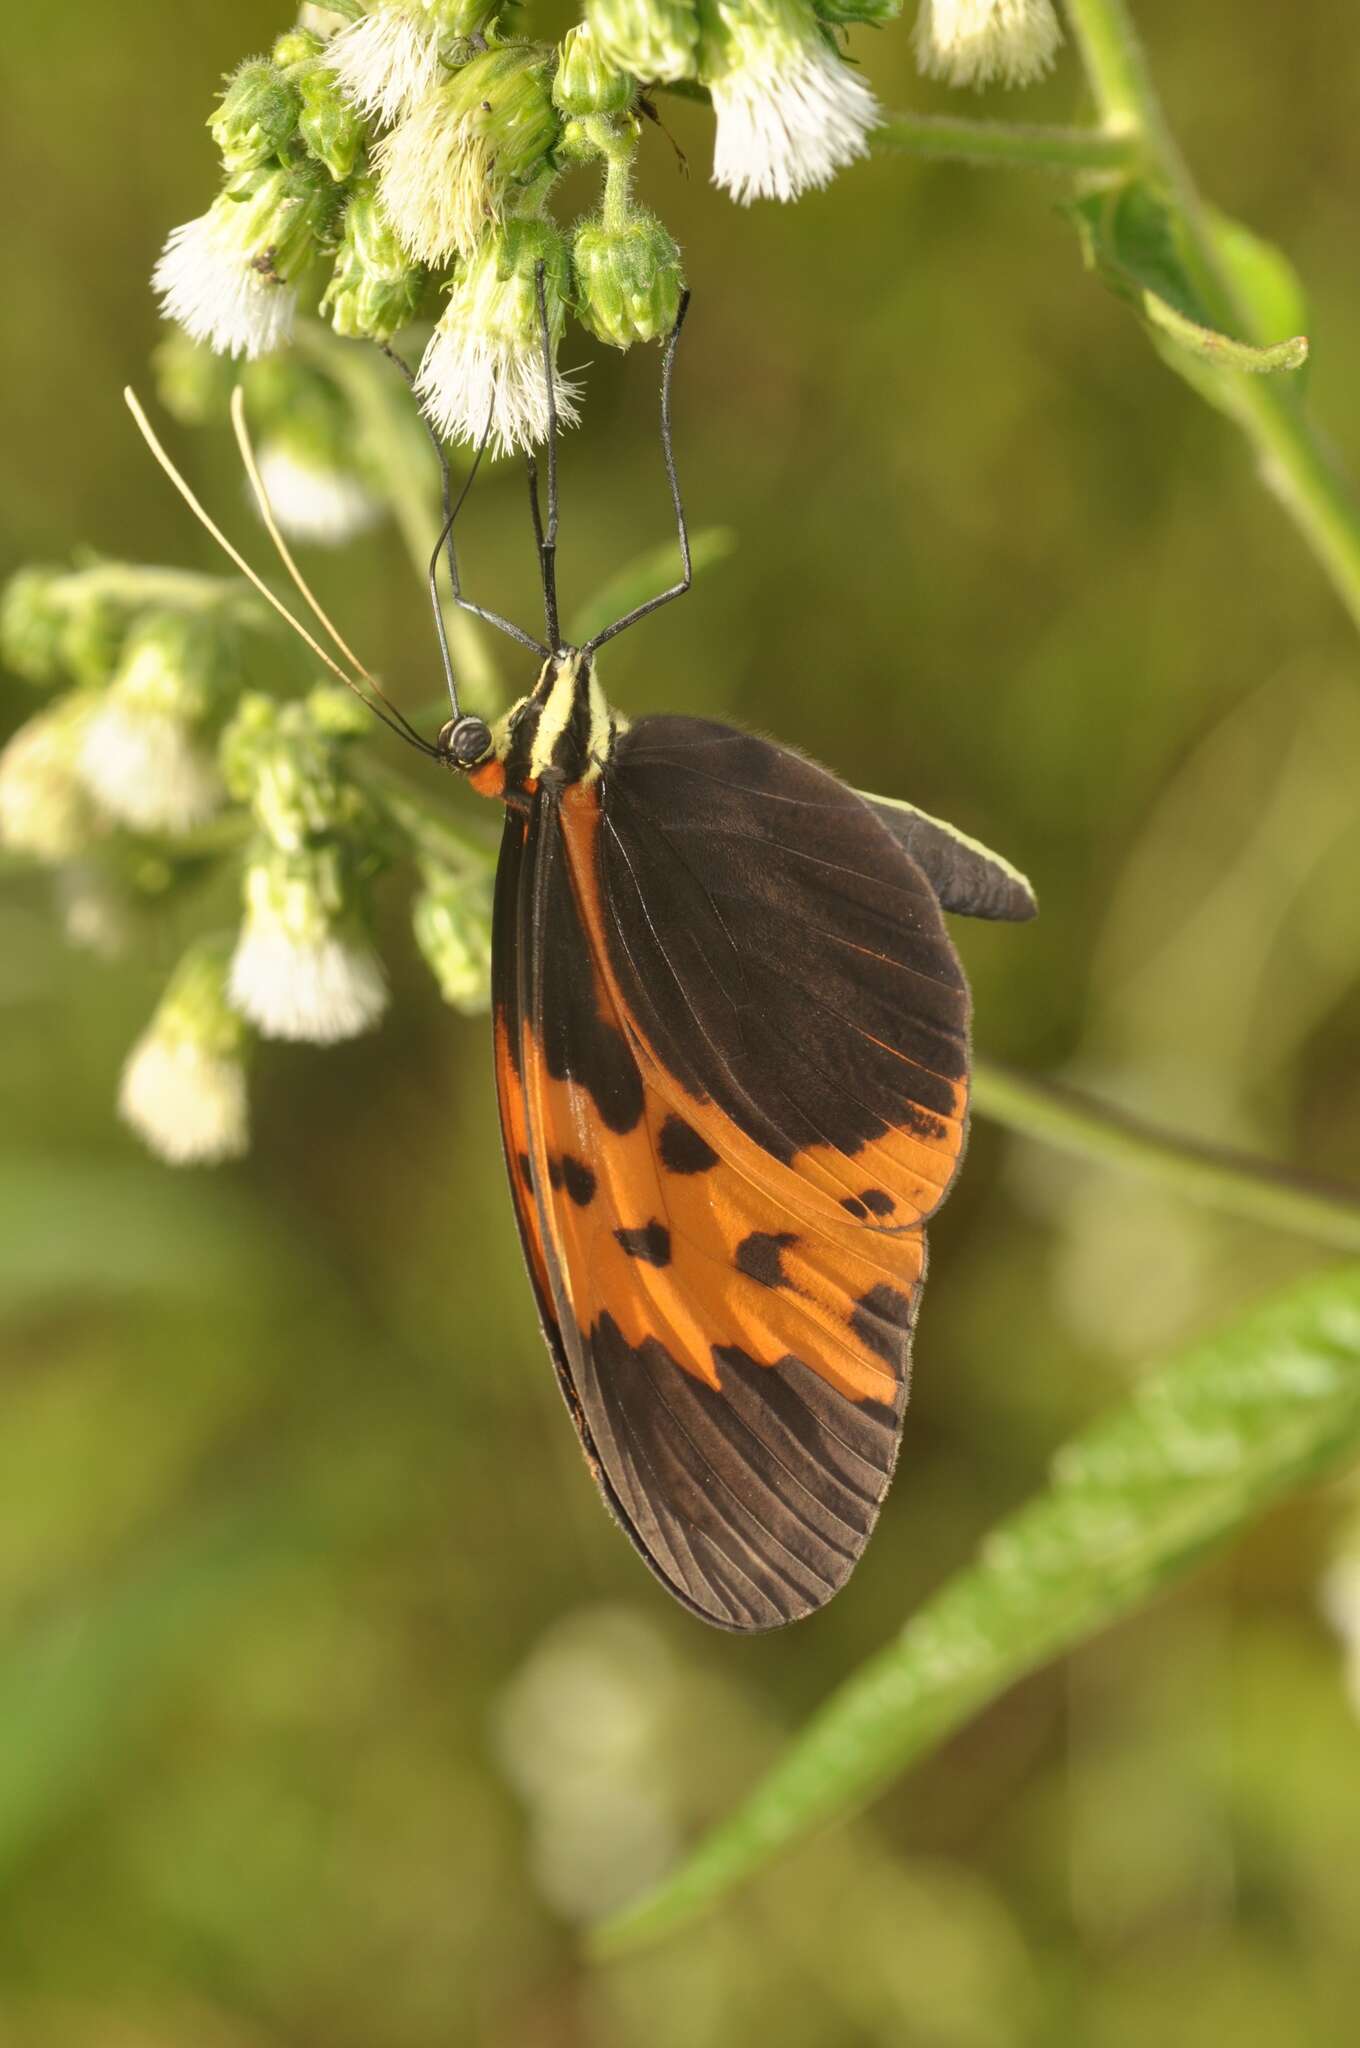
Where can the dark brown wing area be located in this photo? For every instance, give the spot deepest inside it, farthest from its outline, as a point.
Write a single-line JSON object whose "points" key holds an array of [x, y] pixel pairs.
{"points": [[742, 1069], [964, 875], [787, 959]]}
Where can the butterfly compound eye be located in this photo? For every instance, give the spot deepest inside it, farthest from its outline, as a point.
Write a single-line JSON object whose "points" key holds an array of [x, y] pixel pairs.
{"points": [[464, 741]]}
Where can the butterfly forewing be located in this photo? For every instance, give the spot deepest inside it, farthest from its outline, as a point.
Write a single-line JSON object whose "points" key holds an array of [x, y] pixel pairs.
{"points": [[731, 1043]]}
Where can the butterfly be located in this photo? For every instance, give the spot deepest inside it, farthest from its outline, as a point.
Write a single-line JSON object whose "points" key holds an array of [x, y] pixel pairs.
{"points": [[731, 1047]]}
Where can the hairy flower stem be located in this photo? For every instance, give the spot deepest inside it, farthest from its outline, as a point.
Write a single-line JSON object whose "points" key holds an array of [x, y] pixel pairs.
{"points": [[1317, 496], [1256, 1190], [1011, 144], [616, 203]]}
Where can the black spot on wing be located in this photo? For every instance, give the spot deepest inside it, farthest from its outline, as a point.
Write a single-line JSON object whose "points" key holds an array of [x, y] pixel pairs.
{"points": [[878, 1200], [683, 1150], [854, 1207], [882, 1322], [578, 1180], [522, 1162], [758, 1257], [651, 1243]]}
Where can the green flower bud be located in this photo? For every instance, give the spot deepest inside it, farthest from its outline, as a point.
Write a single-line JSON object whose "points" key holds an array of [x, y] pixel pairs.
{"points": [[31, 621], [847, 13], [256, 117], [628, 279], [579, 141], [452, 921], [586, 81], [336, 713], [287, 762], [653, 39], [462, 18], [449, 167], [93, 631], [374, 288], [71, 622], [329, 124], [297, 46]]}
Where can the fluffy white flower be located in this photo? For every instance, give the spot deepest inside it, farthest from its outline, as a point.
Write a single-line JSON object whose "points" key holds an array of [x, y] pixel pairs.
{"points": [[313, 501], [387, 60], [212, 284], [147, 768], [434, 175], [790, 113], [187, 1102], [973, 42], [301, 968], [319, 991], [445, 169], [44, 810], [485, 358]]}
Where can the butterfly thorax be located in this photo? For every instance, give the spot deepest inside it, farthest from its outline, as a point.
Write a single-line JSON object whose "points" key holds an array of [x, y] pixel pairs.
{"points": [[561, 733]]}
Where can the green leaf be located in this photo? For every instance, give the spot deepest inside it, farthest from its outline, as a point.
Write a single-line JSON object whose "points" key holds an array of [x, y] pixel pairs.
{"points": [[1133, 241], [1200, 1450], [1265, 281], [644, 576]]}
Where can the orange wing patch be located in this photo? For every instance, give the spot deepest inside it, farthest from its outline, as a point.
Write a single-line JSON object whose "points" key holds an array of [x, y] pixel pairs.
{"points": [[686, 1232]]}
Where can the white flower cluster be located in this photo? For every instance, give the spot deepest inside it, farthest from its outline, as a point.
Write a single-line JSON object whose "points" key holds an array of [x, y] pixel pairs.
{"points": [[183, 1088], [790, 112], [979, 42], [304, 968]]}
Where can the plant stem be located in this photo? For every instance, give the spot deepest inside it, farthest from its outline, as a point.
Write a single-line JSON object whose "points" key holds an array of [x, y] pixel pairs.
{"points": [[1317, 496], [1240, 1185], [947, 136]]}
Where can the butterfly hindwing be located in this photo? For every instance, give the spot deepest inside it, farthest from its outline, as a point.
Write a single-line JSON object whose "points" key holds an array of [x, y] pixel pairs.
{"points": [[740, 1083]]}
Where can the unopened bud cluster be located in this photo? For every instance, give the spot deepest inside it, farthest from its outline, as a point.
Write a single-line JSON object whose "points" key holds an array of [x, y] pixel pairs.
{"points": [[150, 760], [387, 168]]}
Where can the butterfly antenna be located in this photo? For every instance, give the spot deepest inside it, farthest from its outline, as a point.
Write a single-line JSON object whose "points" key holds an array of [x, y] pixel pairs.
{"points": [[389, 716], [654, 604], [285, 554]]}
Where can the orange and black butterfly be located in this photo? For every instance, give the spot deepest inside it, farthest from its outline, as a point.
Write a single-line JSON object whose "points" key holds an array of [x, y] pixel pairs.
{"points": [[731, 1050], [731, 1047]]}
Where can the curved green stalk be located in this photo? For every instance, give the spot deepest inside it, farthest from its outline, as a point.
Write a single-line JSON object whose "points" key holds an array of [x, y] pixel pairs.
{"points": [[1254, 1189], [1008, 143], [1318, 497]]}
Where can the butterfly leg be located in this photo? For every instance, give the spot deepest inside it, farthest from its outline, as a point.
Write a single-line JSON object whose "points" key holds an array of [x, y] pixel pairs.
{"points": [[653, 604], [444, 544], [546, 536]]}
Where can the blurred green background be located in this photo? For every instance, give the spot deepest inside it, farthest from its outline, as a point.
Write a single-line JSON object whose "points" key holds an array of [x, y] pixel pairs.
{"points": [[330, 1703]]}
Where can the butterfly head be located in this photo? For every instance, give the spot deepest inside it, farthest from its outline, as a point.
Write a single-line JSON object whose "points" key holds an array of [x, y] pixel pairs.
{"points": [[561, 733]]}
